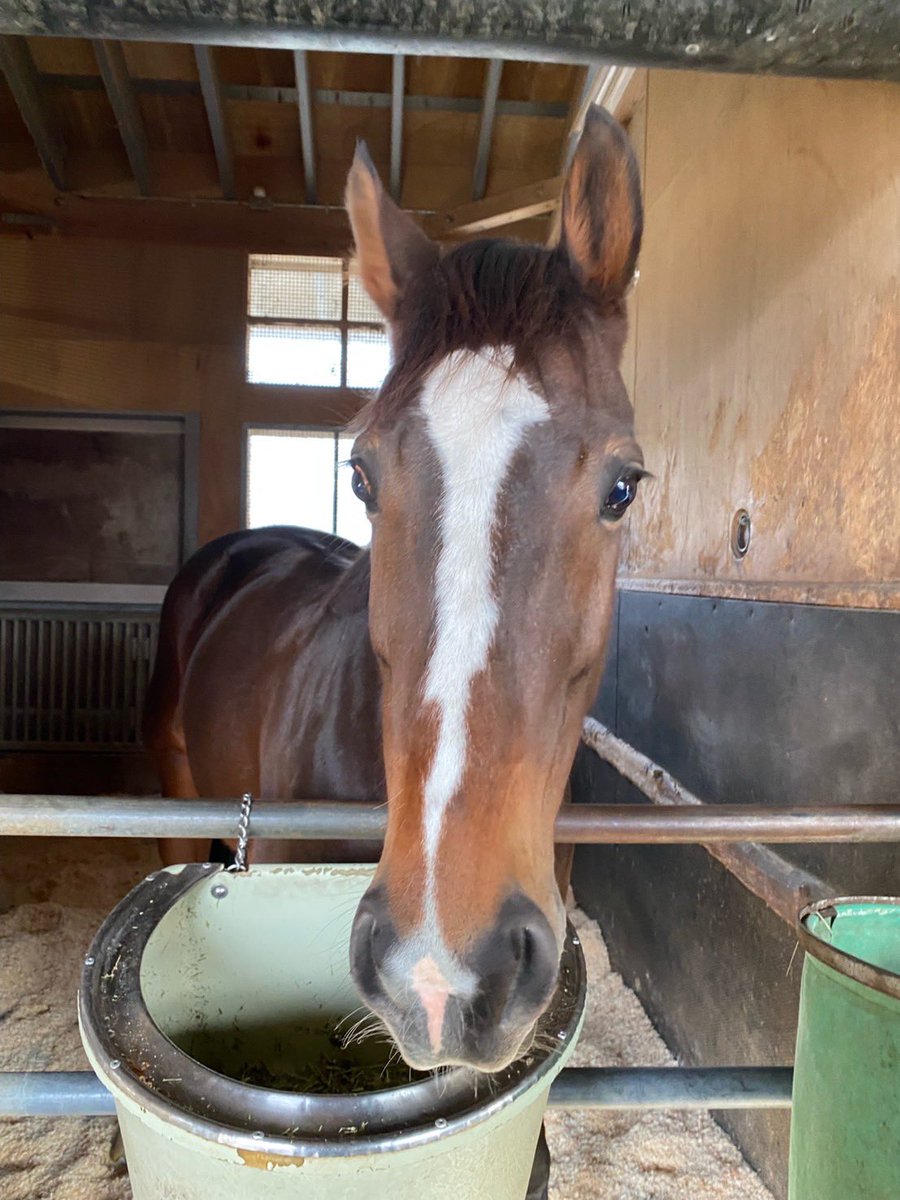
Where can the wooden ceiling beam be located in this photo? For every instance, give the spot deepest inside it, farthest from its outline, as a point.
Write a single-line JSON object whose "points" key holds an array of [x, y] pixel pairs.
{"points": [[304, 105], [18, 66], [111, 61], [272, 229], [495, 212], [486, 128], [217, 116]]}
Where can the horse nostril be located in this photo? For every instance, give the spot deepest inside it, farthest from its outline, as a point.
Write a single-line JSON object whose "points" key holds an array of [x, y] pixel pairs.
{"points": [[523, 944]]}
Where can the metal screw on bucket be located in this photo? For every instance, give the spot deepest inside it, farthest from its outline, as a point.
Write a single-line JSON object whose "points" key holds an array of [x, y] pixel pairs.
{"points": [[240, 855], [219, 891]]}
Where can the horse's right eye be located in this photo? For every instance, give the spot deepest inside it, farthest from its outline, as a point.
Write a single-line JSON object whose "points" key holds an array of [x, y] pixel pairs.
{"points": [[362, 488]]}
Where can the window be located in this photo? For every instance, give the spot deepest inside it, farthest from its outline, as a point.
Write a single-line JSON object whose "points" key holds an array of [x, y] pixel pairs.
{"points": [[301, 477], [311, 324]]}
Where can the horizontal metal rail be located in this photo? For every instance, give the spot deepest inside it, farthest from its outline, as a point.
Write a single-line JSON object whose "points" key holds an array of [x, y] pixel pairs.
{"points": [[81, 1094], [111, 816]]}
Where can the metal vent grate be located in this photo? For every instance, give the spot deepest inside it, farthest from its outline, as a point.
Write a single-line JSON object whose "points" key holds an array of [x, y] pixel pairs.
{"points": [[74, 679]]}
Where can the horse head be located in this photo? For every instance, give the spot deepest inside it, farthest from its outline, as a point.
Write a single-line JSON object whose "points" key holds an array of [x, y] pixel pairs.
{"points": [[495, 464]]}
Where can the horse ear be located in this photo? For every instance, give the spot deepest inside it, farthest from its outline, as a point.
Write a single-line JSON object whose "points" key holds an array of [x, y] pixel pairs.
{"points": [[602, 215], [390, 246]]}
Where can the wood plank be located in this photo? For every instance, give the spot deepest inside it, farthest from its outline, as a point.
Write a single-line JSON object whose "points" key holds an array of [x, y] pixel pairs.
{"points": [[532, 200], [217, 117], [768, 316]]}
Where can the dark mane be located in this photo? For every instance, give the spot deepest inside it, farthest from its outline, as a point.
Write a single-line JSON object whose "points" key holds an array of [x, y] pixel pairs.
{"points": [[481, 294]]}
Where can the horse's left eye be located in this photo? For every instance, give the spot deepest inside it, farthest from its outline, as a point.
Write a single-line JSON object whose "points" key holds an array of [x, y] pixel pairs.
{"points": [[362, 489], [621, 495]]}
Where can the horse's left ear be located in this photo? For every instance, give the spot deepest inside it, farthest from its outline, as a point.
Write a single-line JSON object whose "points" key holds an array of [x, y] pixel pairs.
{"points": [[602, 215], [390, 246]]}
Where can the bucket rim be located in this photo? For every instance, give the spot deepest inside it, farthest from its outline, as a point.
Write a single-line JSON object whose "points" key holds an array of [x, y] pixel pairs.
{"points": [[144, 1068], [880, 979]]}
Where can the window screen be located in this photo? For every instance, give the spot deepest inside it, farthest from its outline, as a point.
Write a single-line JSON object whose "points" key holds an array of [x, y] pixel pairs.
{"points": [[311, 324], [301, 477]]}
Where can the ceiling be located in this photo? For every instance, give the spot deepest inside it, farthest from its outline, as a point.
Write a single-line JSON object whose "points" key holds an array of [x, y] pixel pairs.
{"points": [[86, 126]]}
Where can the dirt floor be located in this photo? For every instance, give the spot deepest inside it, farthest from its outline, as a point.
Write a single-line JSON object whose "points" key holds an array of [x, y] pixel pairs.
{"points": [[53, 896]]}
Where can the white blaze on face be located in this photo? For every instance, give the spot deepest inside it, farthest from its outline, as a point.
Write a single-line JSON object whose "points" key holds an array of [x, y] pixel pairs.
{"points": [[477, 416]]}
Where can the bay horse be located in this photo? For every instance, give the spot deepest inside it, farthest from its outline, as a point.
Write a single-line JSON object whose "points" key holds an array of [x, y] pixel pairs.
{"points": [[448, 669]]}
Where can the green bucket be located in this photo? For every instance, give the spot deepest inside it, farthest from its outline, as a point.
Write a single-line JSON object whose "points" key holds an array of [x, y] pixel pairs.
{"points": [[845, 1122], [204, 992]]}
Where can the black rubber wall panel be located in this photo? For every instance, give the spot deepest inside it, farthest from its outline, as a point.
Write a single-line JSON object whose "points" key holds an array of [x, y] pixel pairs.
{"points": [[744, 703]]}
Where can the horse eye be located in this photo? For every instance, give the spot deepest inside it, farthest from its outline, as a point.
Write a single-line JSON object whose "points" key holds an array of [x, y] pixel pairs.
{"points": [[623, 492], [359, 481]]}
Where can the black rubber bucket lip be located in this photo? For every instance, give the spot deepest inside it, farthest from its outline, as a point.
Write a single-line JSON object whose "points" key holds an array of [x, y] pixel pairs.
{"points": [[868, 974], [148, 1068]]}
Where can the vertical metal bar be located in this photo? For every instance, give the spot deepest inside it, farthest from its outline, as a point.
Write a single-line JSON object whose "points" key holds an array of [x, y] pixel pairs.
{"points": [[27, 680], [77, 680], [398, 72], [90, 706], [129, 706], [5, 734], [111, 61], [115, 677], [486, 130], [217, 116], [41, 667], [18, 66], [53, 711], [15, 672], [307, 142], [103, 683], [65, 732]]}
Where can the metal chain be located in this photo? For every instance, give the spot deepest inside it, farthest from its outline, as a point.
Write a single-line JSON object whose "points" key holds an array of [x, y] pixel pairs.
{"points": [[240, 855]]}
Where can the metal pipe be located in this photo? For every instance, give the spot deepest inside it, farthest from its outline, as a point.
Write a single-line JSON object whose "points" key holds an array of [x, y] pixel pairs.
{"points": [[81, 1094], [18, 66], [398, 73], [114, 71], [486, 128], [54, 1094], [635, 824], [217, 117], [307, 137], [855, 38], [673, 1087]]}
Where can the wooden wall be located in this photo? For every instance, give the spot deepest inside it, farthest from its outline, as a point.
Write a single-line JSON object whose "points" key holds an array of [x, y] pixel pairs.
{"points": [[767, 334], [121, 326]]}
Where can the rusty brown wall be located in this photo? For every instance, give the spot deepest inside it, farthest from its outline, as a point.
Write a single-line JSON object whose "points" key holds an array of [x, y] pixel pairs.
{"points": [[767, 336], [116, 326]]}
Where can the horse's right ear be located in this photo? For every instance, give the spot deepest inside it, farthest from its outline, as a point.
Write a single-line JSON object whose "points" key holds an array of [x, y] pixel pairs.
{"points": [[390, 246], [602, 215]]}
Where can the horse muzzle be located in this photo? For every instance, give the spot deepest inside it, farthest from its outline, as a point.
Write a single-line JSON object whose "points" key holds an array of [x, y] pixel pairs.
{"points": [[477, 1011]]}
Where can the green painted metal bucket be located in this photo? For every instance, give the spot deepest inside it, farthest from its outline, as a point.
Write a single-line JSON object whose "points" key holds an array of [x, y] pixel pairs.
{"points": [[200, 980], [845, 1122]]}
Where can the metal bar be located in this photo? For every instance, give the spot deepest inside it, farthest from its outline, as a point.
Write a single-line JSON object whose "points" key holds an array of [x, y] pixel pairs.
{"points": [[672, 1087], [486, 129], [854, 38], [111, 61], [398, 72], [596, 824], [81, 1094], [781, 885], [328, 96], [216, 115], [18, 66], [304, 105]]}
